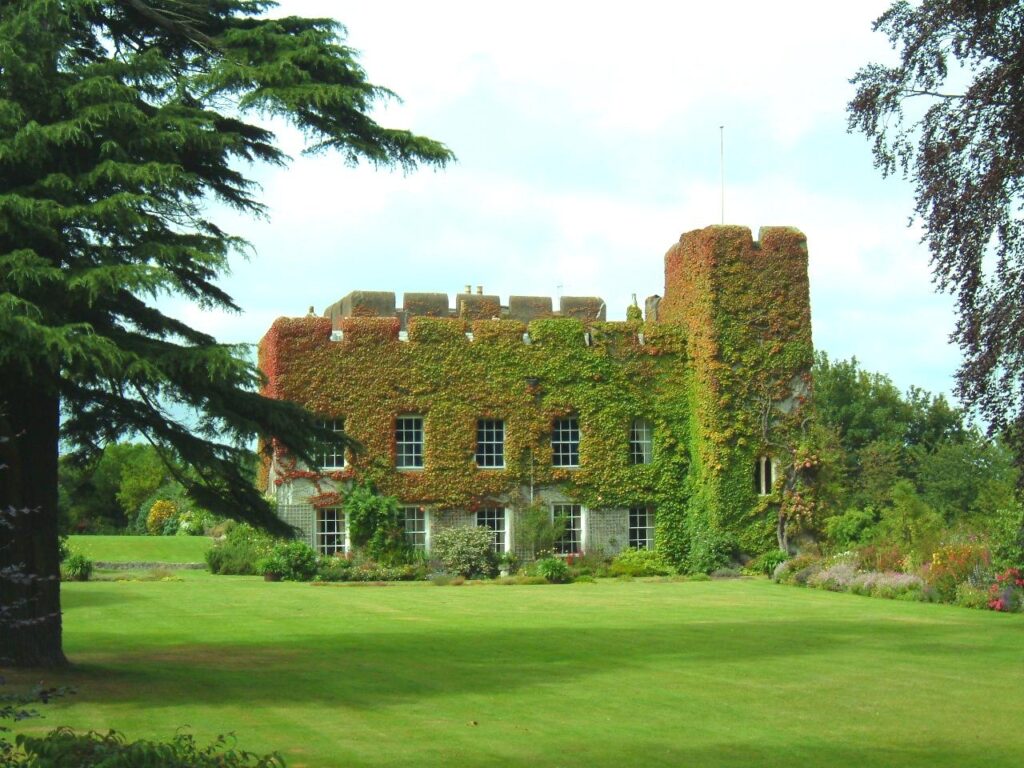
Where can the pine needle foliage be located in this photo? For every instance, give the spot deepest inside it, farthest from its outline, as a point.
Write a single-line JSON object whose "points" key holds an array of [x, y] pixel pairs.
{"points": [[119, 122]]}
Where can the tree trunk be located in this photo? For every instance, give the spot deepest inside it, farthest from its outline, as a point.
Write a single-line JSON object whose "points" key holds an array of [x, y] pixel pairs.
{"points": [[29, 552], [781, 534]]}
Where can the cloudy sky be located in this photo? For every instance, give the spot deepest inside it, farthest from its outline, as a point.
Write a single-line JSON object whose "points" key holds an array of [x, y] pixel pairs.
{"points": [[587, 141]]}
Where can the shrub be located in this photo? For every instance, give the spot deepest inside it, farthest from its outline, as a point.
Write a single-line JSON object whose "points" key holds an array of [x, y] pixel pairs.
{"points": [[1007, 527], [509, 561], [238, 552], [797, 570], [710, 550], [553, 569], [521, 579], [638, 562], [955, 563], [160, 516], [64, 747], [836, 577], [293, 560], [173, 492], [465, 551], [1007, 592], [851, 529], [375, 572], [767, 563], [911, 522], [880, 558], [889, 585], [15, 707], [334, 568], [537, 531], [375, 524], [76, 568], [587, 564], [271, 565], [195, 522], [970, 596]]}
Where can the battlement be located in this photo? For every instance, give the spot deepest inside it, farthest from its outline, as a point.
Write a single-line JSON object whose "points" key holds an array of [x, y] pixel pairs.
{"points": [[468, 306], [556, 331], [712, 275], [707, 265]]}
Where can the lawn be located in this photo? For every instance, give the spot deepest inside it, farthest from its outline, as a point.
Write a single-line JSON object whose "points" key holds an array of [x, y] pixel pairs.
{"points": [[148, 549], [724, 673]]}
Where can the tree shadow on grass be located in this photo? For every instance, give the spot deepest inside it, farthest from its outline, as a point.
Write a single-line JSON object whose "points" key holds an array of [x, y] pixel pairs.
{"points": [[87, 598], [948, 750], [387, 668]]}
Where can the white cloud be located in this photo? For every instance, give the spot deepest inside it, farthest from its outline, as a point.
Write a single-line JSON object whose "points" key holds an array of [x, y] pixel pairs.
{"points": [[588, 141]]}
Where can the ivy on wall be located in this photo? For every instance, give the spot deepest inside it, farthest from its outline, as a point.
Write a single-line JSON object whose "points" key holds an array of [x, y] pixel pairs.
{"points": [[729, 348], [746, 310]]}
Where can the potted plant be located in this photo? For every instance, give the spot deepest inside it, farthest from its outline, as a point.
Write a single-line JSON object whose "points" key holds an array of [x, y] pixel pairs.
{"points": [[272, 567], [508, 563]]}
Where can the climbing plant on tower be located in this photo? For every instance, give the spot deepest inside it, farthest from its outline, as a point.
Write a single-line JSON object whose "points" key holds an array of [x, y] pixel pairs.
{"points": [[119, 121]]}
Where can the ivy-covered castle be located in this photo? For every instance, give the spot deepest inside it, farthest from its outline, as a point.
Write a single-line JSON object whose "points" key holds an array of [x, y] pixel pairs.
{"points": [[679, 428]]}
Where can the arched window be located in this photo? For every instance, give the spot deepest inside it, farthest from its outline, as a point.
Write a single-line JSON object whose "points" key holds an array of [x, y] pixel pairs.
{"points": [[764, 475]]}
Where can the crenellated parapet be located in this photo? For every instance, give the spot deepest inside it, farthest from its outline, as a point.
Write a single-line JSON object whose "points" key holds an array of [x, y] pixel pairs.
{"points": [[307, 332], [467, 306]]}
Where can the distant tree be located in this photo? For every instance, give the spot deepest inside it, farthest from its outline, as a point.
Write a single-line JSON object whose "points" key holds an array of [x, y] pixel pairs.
{"points": [[863, 407], [909, 457], [105, 494], [950, 116], [119, 121], [880, 429], [879, 465], [933, 421], [967, 481]]}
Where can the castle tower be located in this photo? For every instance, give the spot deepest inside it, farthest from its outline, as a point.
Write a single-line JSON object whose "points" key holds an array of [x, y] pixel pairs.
{"points": [[745, 309]]}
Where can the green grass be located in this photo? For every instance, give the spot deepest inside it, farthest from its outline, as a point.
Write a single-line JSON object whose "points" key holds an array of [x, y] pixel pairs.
{"points": [[146, 549], [735, 673]]}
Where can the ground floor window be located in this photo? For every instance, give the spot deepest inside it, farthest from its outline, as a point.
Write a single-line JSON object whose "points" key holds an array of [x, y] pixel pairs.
{"points": [[416, 532], [641, 527], [331, 538], [571, 539], [494, 518]]}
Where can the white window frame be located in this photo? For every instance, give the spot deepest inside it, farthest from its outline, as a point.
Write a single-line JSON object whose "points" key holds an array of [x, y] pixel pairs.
{"points": [[421, 515], [640, 534], [765, 475], [490, 443], [326, 537], [641, 441], [408, 449], [576, 512], [490, 518], [331, 457], [565, 442]]}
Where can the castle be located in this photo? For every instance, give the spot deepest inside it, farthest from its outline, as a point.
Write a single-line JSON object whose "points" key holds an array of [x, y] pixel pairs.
{"points": [[674, 429]]}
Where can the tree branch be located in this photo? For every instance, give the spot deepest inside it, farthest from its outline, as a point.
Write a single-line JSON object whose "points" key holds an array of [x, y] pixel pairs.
{"points": [[171, 25]]}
